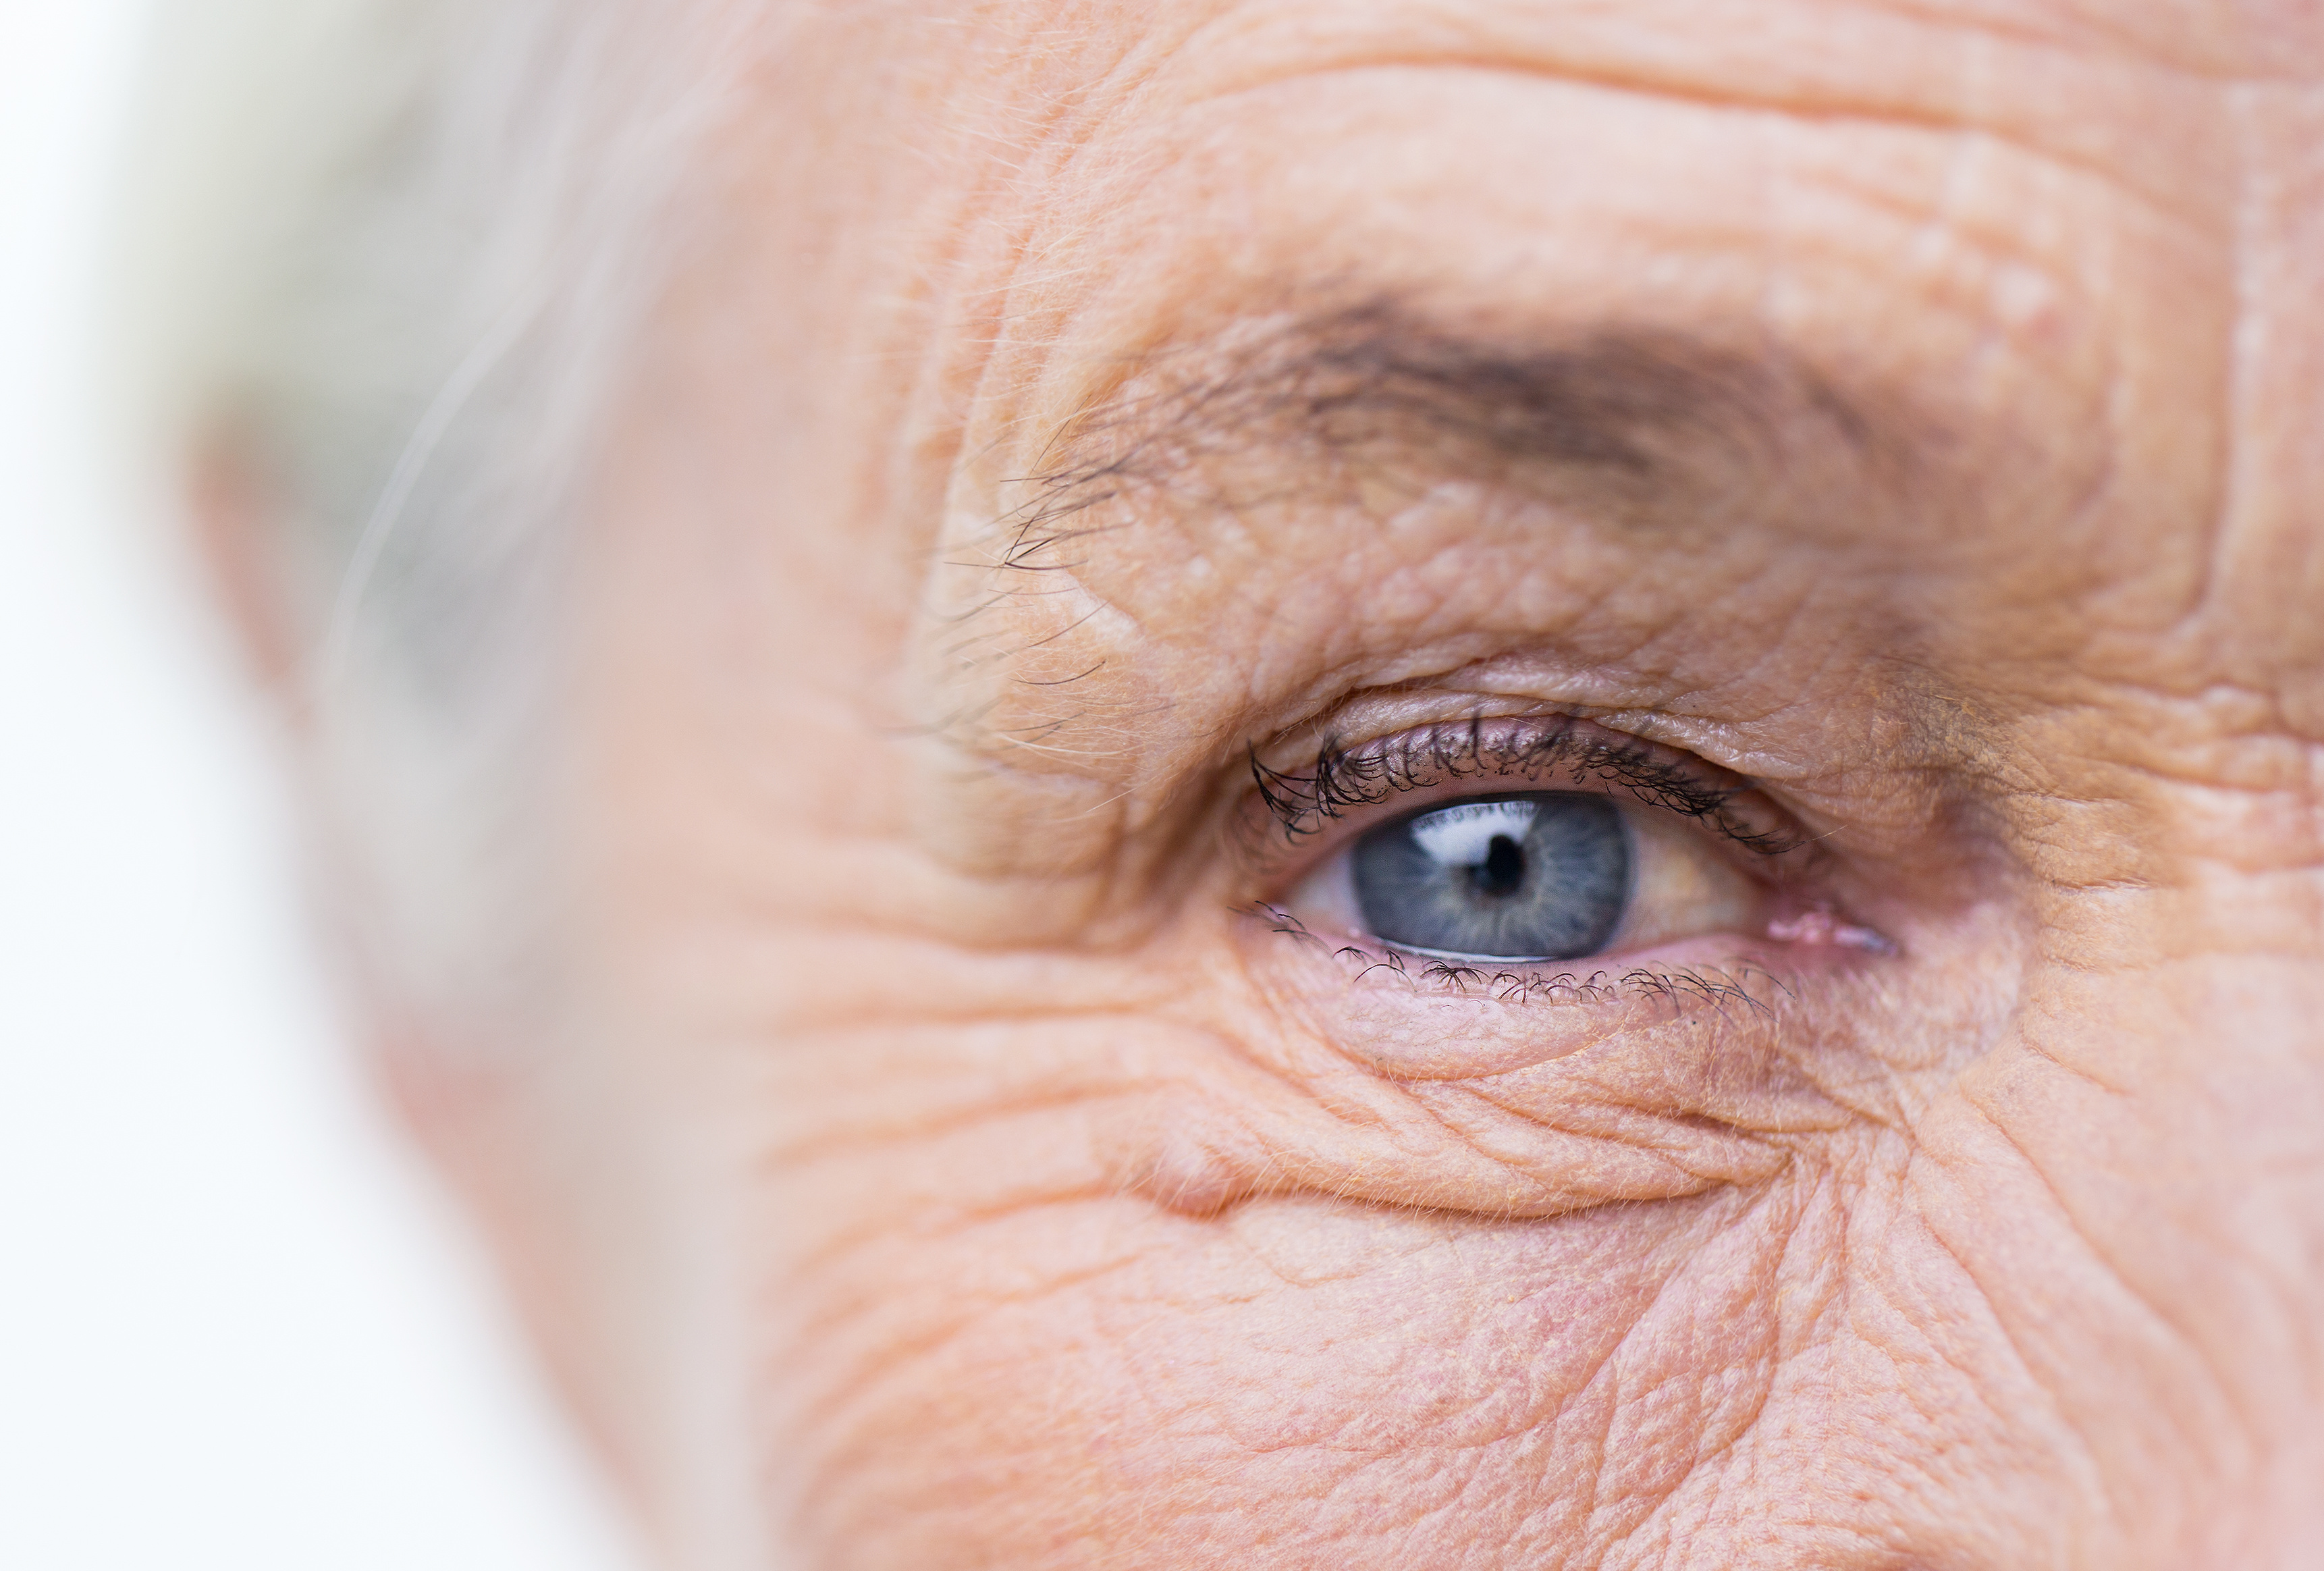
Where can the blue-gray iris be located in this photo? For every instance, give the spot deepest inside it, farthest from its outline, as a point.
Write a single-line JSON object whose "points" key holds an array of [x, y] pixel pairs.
{"points": [[1545, 875]]}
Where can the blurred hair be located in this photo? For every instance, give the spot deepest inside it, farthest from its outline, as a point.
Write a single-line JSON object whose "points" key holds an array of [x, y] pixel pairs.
{"points": [[385, 257]]}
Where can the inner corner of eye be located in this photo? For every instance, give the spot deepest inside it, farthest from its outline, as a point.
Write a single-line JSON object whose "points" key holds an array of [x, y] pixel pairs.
{"points": [[1526, 876]]}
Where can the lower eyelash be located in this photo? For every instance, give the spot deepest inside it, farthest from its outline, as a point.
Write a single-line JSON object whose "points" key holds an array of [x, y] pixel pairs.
{"points": [[1684, 988], [1346, 779]]}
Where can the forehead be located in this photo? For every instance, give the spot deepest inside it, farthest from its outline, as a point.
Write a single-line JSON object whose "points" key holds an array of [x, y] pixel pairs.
{"points": [[2037, 220], [1676, 120], [1783, 173], [1096, 181], [2057, 249]]}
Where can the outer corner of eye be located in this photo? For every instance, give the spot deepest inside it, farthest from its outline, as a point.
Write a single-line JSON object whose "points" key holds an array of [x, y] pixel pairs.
{"points": [[1324, 898]]}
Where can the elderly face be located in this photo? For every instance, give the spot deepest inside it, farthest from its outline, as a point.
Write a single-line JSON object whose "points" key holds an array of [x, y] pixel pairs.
{"points": [[1395, 784]]}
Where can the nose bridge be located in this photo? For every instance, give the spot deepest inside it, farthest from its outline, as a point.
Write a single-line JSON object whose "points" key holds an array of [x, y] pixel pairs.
{"points": [[2258, 1072], [2288, 1523], [2149, 1225], [2267, 570], [2162, 809], [2159, 1096]]}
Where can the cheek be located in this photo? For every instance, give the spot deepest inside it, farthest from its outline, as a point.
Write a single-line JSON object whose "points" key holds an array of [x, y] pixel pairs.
{"points": [[975, 1342], [1061, 1387], [978, 1343], [1299, 1383]]}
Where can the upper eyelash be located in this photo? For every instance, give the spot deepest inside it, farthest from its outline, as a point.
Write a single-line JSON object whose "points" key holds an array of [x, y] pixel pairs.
{"points": [[1347, 778]]}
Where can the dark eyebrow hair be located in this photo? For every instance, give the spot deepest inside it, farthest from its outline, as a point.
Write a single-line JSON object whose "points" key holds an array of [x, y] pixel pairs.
{"points": [[1647, 422]]}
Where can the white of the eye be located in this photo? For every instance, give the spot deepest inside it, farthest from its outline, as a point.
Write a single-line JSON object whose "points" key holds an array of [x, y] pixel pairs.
{"points": [[1463, 835]]}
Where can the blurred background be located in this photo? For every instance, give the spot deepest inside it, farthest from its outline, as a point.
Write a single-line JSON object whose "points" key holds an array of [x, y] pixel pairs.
{"points": [[237, 1327]]}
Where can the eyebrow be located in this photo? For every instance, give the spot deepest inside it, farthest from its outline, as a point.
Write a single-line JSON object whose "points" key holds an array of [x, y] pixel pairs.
{"points": [[1648, 422]]}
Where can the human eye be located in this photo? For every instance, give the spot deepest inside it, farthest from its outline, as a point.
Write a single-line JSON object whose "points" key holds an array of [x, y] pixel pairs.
{"points": [[1536, 843], [1531, 877]]}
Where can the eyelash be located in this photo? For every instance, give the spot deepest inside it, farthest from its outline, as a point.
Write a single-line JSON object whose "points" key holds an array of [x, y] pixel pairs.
{"points": [[1350, 779], [1527, 983]]}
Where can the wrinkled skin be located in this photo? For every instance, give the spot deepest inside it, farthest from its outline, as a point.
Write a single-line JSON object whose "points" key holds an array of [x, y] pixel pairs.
{"points": [[927, 1160]]}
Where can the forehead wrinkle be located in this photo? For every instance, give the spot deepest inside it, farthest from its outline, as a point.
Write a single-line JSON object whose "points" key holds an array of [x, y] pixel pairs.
{"points": [[2226, 44], [2085, 103]]}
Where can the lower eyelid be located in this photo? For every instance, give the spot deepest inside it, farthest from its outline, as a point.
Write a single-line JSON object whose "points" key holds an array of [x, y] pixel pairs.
{"points": [[1406, 1017]]}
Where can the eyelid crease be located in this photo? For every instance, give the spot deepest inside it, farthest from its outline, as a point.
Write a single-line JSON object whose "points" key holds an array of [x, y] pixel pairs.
{"points": [[1345, 779]]}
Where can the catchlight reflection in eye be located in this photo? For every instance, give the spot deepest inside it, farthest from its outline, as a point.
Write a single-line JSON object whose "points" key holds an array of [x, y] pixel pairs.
{"points": [[1543, 876], [1533, 877]]}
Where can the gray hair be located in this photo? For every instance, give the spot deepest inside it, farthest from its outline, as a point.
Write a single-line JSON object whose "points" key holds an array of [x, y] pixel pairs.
{"points": [[389, 253]]}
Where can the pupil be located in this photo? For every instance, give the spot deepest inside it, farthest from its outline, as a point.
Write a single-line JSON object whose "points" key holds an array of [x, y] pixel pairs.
{"points": [[1503, 869], [1532, 875]]}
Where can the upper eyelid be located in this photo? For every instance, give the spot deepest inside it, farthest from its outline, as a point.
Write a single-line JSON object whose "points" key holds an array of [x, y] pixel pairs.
{"points": [[1345, 777]]}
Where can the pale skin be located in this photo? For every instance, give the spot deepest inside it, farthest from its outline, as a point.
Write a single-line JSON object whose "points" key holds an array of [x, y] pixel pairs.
{"points": [[946, 1140]]}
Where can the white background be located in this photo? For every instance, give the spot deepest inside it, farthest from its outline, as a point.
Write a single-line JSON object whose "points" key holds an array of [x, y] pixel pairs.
{"points": [[236, 1328]]}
